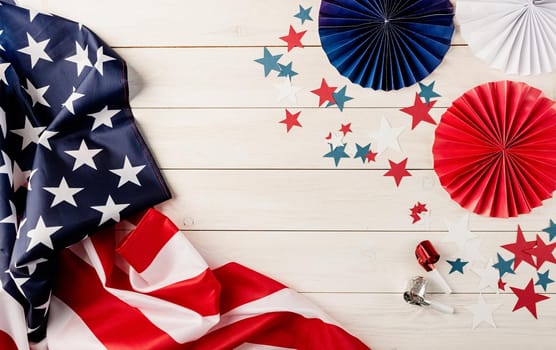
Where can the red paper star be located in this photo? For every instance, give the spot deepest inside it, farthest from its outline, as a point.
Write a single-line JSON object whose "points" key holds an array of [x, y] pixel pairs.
{"points": [[291, 120], [528, 298], [419, 111], [542, 252], [293, 38], [398, 171], [415, 217], [346, 129], [325, 93], [421, 208], [329, 136], [371, 156], [501, 284], [519, 249]]}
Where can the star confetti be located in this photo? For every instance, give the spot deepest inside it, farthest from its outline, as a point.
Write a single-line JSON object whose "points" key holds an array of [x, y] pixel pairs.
{"points": [[304, 14], [362, 152], [337, 153], [489, 276], [542, 252], [325, 93], [291, 120], [269, 61], [341, 98], [416, 211], [551, 230], [501, 285], [287, 91], [335, 139], [458, 232], [482, 312], [457, 265], [503, 266], [398, 171], [419, 112], [544, 280], [287, 71], [386, 137], [371, 156], [527, 298], [293, 39], [345, 129], [519, 249], [427, 92]]}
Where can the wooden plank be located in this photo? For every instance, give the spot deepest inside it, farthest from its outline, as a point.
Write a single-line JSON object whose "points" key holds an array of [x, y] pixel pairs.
{"points": [[347, 262], [321, 200], [385, 322], [229, 78], [170, 23], [253, 138]]}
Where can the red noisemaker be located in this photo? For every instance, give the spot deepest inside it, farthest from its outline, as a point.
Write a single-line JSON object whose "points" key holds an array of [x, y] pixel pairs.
{"points": [[427, 257]]}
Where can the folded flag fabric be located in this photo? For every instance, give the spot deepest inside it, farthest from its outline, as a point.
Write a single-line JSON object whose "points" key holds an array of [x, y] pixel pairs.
{"points": [[71, 157], [152, 290]]}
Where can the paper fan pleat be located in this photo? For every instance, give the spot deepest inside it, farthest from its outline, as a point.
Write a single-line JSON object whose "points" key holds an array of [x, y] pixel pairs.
{"points": [[495, 149], [385, 44]]}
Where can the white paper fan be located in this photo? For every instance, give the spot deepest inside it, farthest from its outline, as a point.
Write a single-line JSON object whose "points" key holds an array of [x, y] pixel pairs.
{"points": [[516, 36]]}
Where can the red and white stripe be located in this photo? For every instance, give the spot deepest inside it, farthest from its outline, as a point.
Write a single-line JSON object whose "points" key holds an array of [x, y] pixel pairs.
{"points": [[154, 291]]}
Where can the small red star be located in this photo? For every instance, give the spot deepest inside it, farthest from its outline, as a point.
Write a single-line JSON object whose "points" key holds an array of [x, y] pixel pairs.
{"points": [[325, 93], [542, 252], [346, 129], [415, 217], [293, 38], [419, 111], [528, 298], [420, 207], [501, 284], [291, 120], [329, 136], [519, 249], [371, 156], [398, 171]]}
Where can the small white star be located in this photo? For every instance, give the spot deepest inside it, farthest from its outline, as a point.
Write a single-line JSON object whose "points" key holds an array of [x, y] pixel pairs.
{"points": [[42, 234], [19, 281], [84, 156], [3, 68], [37, 95], [63, 193], [489, 276], [128, 173], [44, 139], [81, 58], [104, 117], [458, 232], [386, 137], [32, 266], [110, 210], [3, 122], [101, 58], [482, 312], [33, 172], [6, 168], [35, 50], [2, 47], [29, 133], [336, 140], [287, 91], [21, 178], [71, 99], [12, 218]]}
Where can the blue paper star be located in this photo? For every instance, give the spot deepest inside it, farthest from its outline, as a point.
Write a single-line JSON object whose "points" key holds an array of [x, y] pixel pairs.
{"points": [[304, 14], [544, 280], [457, 265], [504, 266], [427, 92], [287, 71], [551, 230], [340, 98], [269, 62], [337, 153], [362, 152]]}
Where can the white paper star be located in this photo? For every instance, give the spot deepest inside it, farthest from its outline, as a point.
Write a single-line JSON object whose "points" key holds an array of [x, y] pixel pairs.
{"points": [[71, 99], [37, 95], [128, 173], [20, 177], [63, 193], [42, 234], [12, 218], [44, 139], [35, 50], [84, 156], [3, 122], [336, 140], [287, 91], [3, 68], [482, 312], [386, 137], [458, 232], [81, 58], [6, 168], [472, 251], [104, 117], [110, 210], [101, 58], [489, 276], [29, 133]]}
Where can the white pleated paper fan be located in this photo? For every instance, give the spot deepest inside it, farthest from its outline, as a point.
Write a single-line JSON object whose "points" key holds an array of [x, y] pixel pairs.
{"points": [[516, 36]]}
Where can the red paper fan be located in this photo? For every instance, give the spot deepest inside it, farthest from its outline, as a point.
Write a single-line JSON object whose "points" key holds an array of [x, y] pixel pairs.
{"points": [[495, 149]]}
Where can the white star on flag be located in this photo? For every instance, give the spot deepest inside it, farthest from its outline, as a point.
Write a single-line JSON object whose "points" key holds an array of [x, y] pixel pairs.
{"points": [[110, 210], [3, 122], [35, 50], [44, 139], [12, 218], [63, 193], [20, 177], [42, 234], [101, 58], [3, 68], [37, 95], [84, 156], [71, 99], [6, 168], [81, 58], [104, 117], [29, 133], [128, 173]]}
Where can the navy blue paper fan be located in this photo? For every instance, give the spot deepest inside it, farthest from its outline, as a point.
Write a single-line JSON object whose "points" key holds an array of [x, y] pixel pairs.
{"points": [[386, 44]]}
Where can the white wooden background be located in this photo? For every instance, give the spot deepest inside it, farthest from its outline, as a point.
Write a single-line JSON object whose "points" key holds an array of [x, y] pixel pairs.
{"points": [[245, 190]]}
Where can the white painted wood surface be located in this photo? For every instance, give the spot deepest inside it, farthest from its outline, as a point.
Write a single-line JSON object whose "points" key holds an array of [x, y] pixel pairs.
{"points": [[246, 190]]}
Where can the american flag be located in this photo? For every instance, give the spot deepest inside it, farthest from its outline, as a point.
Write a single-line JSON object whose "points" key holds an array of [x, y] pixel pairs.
{"points": [[71, 157]]}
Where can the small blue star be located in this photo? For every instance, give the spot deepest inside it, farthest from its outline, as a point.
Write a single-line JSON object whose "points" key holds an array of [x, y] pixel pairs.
{"points": [[337, 153], [551, 230], [544, 280], [427, 92], [287, 71], [269, 62], [340, 98], [304, 14], [504, 266], [457, 265], [362, 152]]}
